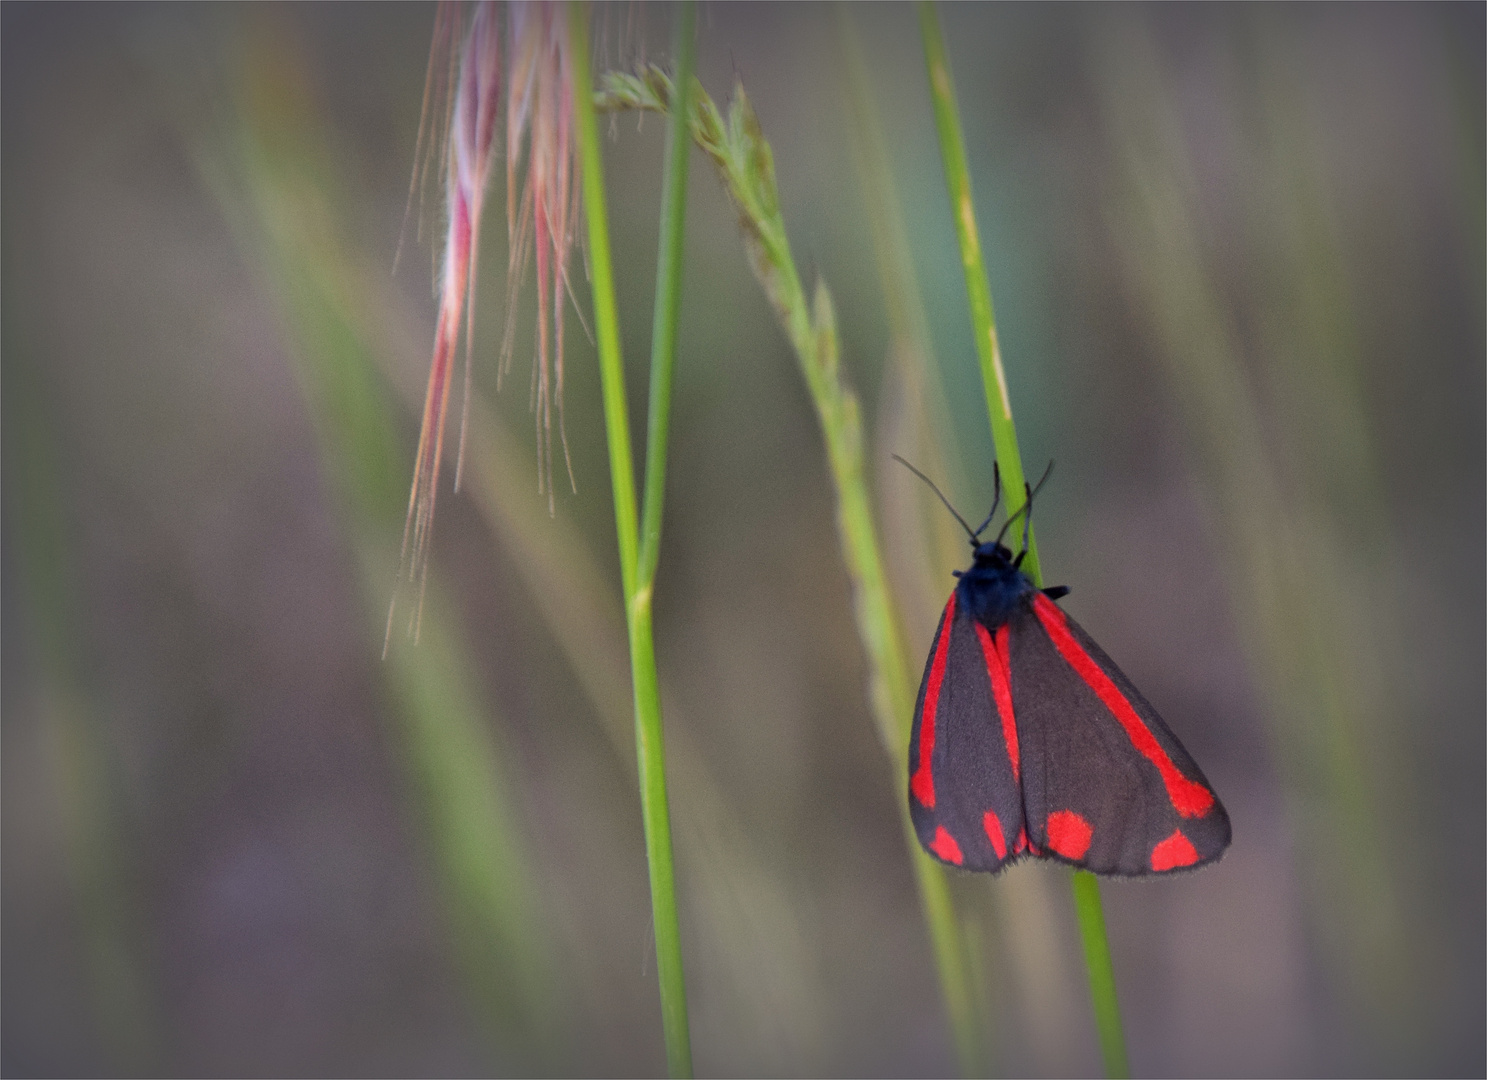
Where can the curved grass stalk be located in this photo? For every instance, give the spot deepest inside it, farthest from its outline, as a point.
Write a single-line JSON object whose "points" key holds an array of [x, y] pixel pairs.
{"points": [[1004, 435], [455, 761]]}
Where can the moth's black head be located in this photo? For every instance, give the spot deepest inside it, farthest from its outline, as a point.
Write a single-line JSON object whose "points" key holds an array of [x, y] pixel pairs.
{"points": [[992, 553]]}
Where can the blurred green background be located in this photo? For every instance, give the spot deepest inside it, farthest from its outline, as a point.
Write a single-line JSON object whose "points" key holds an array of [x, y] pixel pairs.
{"points": [[1237, 257]]}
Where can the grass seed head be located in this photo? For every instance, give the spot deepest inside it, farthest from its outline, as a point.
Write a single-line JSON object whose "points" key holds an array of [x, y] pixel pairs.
{"points": [[542, 209], [542, 217], [469, 148]]}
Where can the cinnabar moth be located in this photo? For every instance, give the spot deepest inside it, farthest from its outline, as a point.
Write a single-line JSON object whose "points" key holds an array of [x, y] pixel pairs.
{"points": [[1029, 741]]}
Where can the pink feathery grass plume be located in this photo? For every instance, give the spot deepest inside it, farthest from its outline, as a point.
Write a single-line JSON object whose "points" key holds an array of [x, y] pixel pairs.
{"points": [[543, 218], [469, 155]]}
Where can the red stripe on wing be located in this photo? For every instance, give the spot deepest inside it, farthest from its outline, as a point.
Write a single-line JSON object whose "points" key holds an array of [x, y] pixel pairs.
{"points": [[1189, 798], [922, 783], [995, 651], [993, 826]]}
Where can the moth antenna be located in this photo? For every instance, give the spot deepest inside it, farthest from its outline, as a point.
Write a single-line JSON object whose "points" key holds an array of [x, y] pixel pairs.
{"points": [[1027, 519], [1008, 523], [941, 494], [996, 497], [1025, 511]]}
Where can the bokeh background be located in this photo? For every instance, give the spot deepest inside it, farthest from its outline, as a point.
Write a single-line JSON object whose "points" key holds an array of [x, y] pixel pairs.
{"points": [[1237, 258]]}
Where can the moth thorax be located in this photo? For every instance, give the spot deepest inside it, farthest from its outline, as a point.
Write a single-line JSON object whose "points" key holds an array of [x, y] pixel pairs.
{"points": [[993, 588]]}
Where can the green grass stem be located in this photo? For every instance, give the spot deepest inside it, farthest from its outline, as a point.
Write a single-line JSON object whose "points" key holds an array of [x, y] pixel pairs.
{"points": [[275, 185], [1004, 435], [745, 162], [922, 429], [737, 895], [978, 288], [649, 741], [1091, 915]]}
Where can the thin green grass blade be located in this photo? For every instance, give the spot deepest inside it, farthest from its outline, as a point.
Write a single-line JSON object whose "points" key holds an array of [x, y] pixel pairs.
{"points": [[63, 699], [668, 297], [650, 745], [1101, 973], [978, 288], [1004, 435], [276, 187]]}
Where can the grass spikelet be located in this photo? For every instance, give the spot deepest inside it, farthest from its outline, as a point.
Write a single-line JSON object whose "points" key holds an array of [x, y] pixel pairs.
{"points": [[541, 210], [467, 169]]}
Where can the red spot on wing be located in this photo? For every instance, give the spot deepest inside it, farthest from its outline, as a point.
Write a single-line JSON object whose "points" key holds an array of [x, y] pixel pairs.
{"points": [[1177, 850], [1069, 834], [995, 651], [945, 847], [993, 826], [1024, 844], [922, 783], [1191, 799]]}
